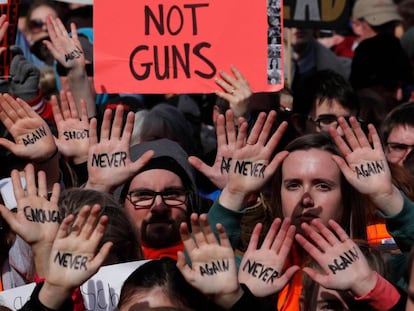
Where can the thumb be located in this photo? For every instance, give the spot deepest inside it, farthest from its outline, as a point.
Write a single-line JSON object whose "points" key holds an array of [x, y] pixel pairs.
{"points": [[343, 166], [142, 161], [9, 145]]}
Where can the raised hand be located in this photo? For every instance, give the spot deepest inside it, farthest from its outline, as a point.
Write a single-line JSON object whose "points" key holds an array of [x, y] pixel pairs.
{"points": [[213, 269], [4, 24], [343, 265], [74, 258], [252, 164], [37, 218], [261, 269], [73, 128], [32, 136], [226, 143], [109, 163], [366, 167], [237, 92], [67, 50]]}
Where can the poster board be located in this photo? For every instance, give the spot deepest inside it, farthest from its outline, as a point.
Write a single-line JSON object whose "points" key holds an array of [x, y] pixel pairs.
{"points": [[101, 292], [171, 46]]}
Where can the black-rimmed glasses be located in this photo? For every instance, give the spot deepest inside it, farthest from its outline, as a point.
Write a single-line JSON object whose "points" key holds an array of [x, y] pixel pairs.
{"points": [[143, 198]]}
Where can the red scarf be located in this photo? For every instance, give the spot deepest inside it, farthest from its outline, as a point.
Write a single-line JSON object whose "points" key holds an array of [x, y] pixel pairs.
{"points": [[157, 253]]}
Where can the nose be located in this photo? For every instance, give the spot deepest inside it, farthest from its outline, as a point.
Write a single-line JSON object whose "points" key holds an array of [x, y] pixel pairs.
{"points": [[307, 200], [159, 206], [405, 155]]}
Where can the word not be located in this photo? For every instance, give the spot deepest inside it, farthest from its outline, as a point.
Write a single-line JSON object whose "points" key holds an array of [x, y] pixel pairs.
{"points": [[76, 53], [41, 215], [76, 134], [178, 21], [370, 168], [345, 260], [34, 136], [248, 168], [168, 61], [71, 261], [215, 267], [225, 164], [258, 270], [116, 159], [315, 10]]}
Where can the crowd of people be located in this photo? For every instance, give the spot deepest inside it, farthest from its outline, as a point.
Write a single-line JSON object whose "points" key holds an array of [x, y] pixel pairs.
{"points": [[238, 200]]}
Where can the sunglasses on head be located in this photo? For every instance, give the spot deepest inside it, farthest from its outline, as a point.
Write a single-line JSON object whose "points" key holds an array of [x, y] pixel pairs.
{"points": [[36, 25], [63, 72]]}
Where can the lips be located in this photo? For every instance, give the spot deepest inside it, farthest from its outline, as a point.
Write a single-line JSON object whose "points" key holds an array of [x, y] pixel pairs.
{"points": [[307, 217]]}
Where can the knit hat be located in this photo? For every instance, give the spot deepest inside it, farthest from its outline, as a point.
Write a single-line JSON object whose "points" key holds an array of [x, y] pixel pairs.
{"points": [[168, 155], [376, 12]]}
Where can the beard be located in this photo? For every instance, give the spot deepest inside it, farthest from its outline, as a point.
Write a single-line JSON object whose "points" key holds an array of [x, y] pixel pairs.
{"points": [[161, 231]]}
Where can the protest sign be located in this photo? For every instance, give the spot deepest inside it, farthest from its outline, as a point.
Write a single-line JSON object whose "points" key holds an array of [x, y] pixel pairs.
{"points": [[77, 1], [101, 292], [173, 46], [328, 14]]}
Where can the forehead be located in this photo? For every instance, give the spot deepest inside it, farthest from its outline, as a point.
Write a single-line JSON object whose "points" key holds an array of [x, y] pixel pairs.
{"points": [[330, 106], [312, 163], [402, 134], [156, 179], [42, 11]]}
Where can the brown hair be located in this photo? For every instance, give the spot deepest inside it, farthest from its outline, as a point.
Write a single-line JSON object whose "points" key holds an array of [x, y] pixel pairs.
{"points": [[120, 230]]}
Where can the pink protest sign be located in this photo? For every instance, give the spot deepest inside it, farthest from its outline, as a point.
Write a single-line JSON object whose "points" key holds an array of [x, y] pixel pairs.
{"points": [[180, 46]]}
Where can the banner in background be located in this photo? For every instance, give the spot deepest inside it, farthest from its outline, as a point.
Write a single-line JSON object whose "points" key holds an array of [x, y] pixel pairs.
{"points": [[322, 14], [101, 292], [172, 46]]}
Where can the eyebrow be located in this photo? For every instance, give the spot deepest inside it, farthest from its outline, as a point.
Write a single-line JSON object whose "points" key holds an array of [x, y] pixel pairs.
{"points": [[314, 181], [162, 190]]}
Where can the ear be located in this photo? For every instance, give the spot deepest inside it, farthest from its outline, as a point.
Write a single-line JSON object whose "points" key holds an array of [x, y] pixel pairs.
{"points": [[298, 122], [356, 27]]}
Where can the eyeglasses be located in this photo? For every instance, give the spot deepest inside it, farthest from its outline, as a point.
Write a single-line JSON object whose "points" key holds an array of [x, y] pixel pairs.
{"points": [[146, 198], [325, 121], [398, 148], [63, 71], [36, 25]]}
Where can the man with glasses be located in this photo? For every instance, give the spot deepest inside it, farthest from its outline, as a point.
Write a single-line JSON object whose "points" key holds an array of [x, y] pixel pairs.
{"points": [[324, 96], [161, 196], [398, 133]]}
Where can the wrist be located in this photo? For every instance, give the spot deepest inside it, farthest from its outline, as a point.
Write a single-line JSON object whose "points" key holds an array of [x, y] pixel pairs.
{"points": [[98, 187], [363, 286], [232, 199], [226, 301], [390, 202], [54, 296], [80, 160]]}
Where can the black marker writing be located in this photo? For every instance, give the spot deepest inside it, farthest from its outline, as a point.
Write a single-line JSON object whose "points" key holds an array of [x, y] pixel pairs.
{"points": [[215, 267], [34, 136], [176, 60], [76, 53], [71, 261], [41, 215], [76, 134], [258, 270], [116, 159], [344, 261], [370, 168], [225, 164], [248, 168]]}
